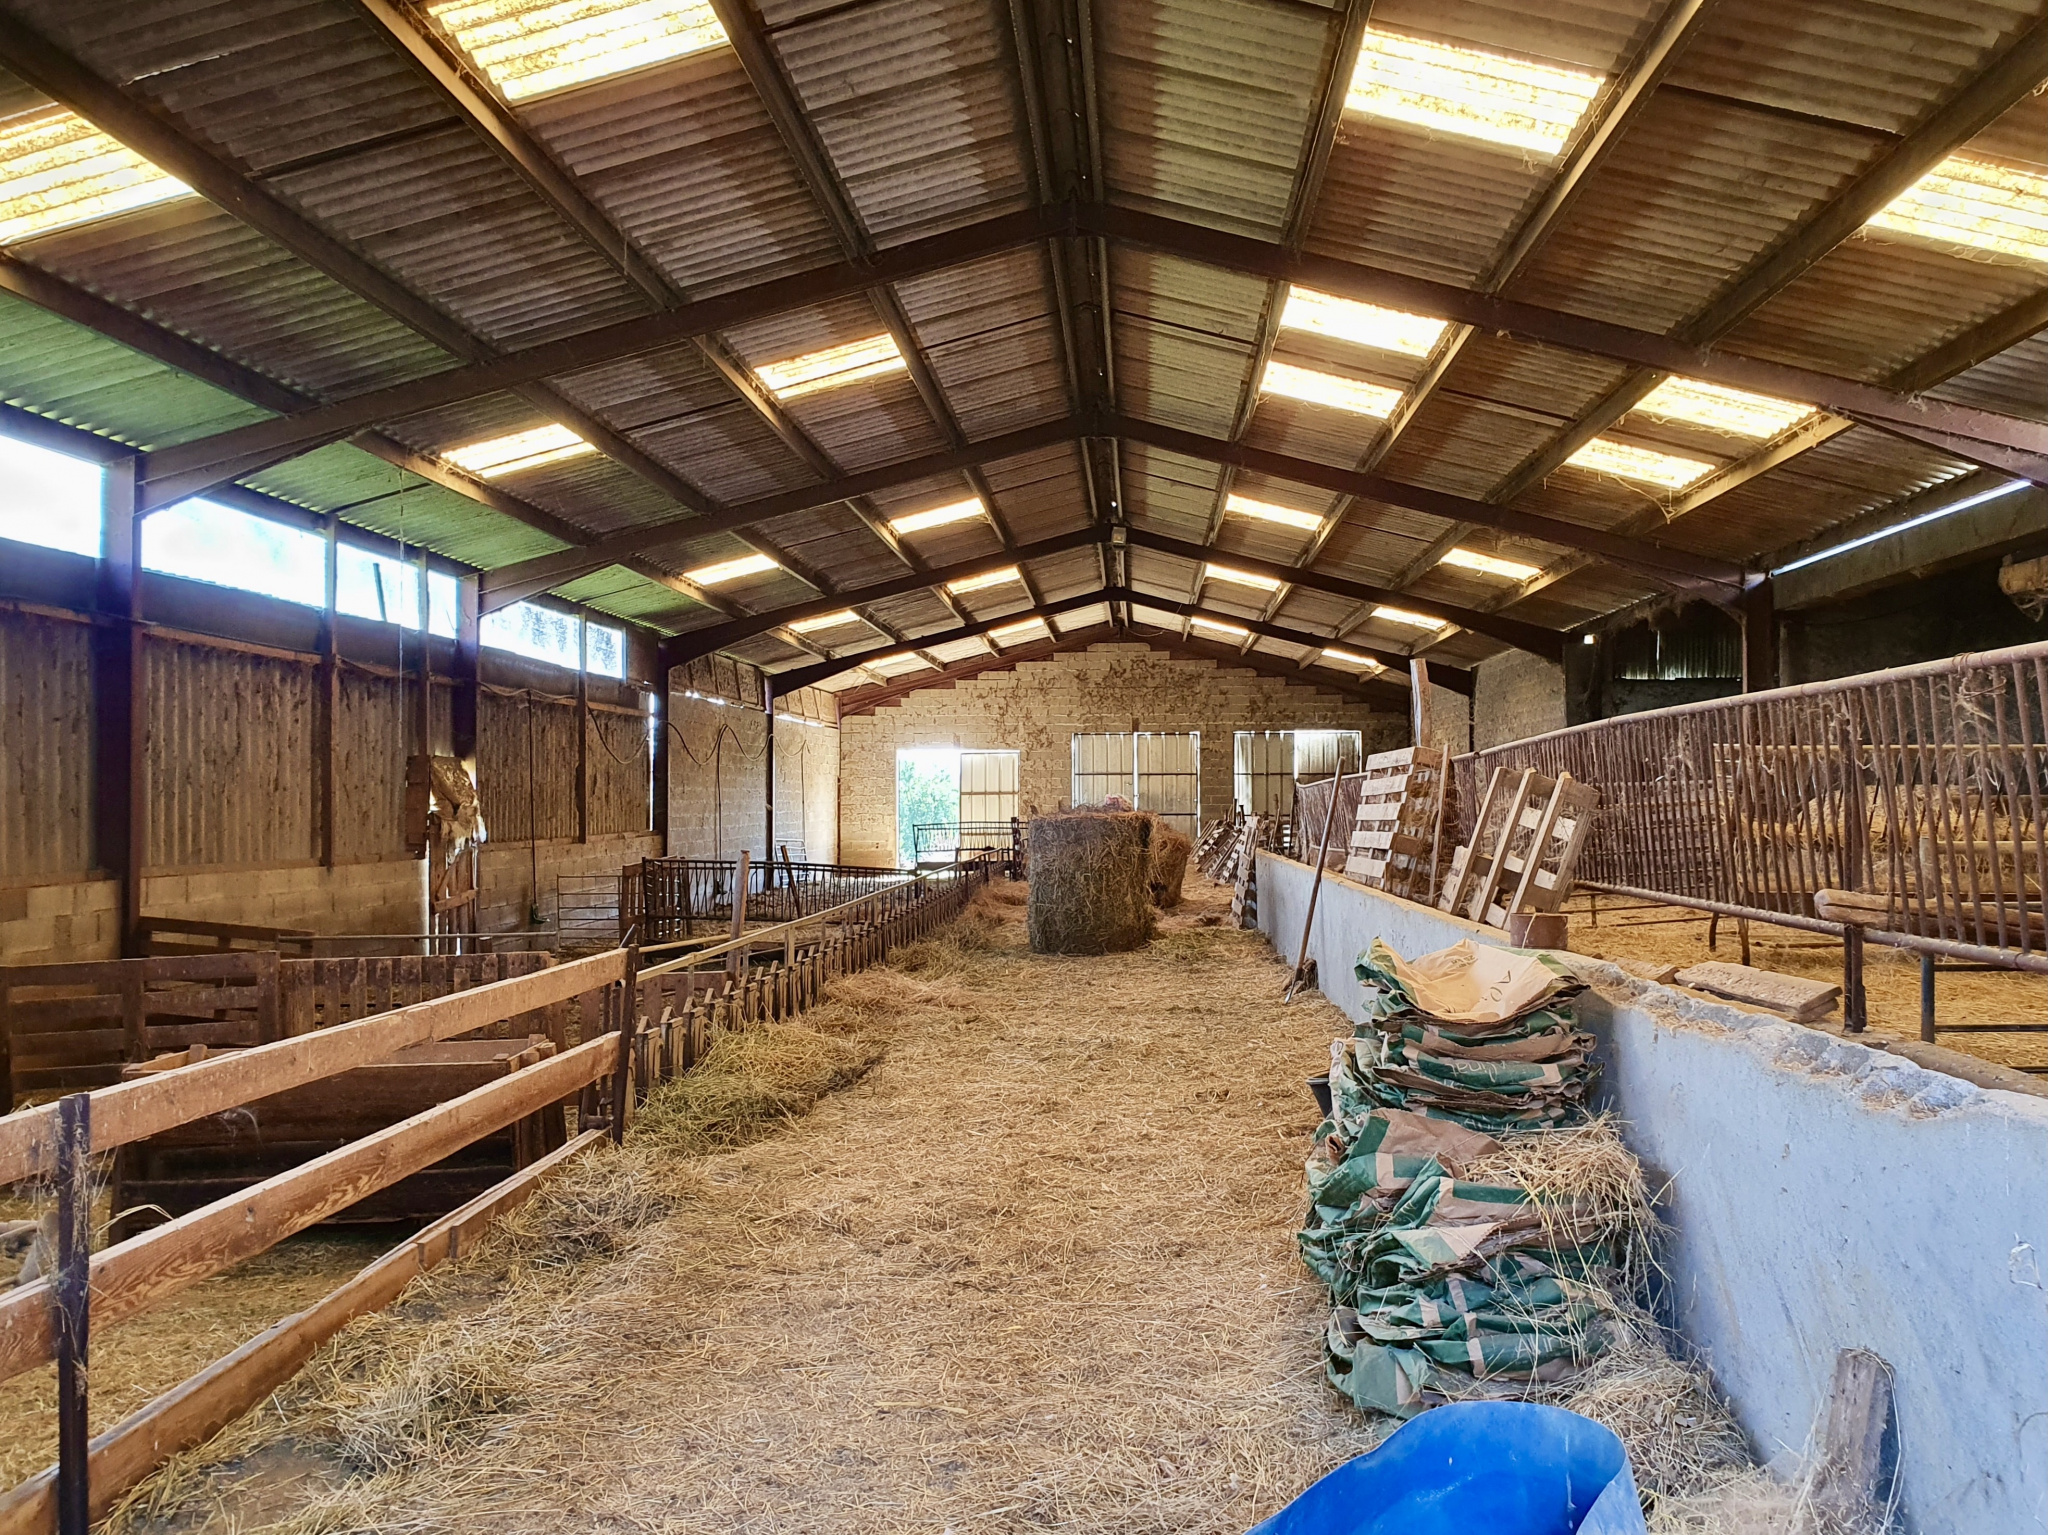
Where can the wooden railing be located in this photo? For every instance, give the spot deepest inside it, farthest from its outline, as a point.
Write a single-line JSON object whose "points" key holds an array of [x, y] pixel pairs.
{"points": [[679, 1006]]}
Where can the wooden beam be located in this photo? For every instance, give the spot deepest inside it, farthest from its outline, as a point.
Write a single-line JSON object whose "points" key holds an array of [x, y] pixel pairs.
{"points": [[134, 1275], [135, 1110], [191, 1413]]}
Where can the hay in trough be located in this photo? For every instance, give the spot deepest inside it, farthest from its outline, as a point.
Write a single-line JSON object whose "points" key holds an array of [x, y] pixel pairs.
{"points": [[1090, 890], [1170, 852]]}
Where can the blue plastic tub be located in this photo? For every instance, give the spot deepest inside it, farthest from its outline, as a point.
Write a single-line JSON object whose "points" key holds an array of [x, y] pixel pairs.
{"points": [[1477, 1468]]}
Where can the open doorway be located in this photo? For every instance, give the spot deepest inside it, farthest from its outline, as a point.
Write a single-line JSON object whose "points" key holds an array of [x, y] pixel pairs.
{"points": [[947, 800]]}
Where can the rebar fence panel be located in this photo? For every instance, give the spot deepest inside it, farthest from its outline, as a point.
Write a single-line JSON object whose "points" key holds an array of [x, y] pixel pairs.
{"points": [[674, 898], [951, 841], [1920, 788]]}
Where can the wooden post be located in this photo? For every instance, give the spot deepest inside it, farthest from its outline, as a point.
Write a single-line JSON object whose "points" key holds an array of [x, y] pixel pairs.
{"points": [[120, 715], [733, 960], [628, 1019], [1759, 638], [1421, 713], [74, 1310], [327, 706]]}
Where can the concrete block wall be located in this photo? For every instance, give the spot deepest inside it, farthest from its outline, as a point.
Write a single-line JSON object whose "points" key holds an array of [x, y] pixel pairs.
{"points": [[1515, 695], [1822, 1195], [52, 924], [718, 782], [513, 872], [1037, 709]]}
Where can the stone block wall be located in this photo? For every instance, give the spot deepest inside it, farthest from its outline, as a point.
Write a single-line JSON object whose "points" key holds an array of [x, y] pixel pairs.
{"points": [[1515, 695], [1037, 709]]}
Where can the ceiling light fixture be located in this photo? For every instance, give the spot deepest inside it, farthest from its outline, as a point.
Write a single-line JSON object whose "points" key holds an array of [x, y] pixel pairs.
{"points": [[832, 368], [1734, 411], [730, 570], [498, 456], [1413, 620], [1470, 94], [1351, 394], [987, 579], [1266, 511], [1490, 564], [1343, 319], [57, 170], [531, 48], [937, 516], [1672, 471], [1976, 203], [1215, 572]]}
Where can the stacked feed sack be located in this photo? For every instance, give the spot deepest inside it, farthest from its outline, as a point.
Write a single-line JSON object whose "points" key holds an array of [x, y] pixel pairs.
{"points": [[1470, 1247], [1090, 887], [1487, 1037]]}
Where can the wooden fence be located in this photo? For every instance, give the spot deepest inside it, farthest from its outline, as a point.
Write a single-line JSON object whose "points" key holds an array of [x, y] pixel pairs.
{"points": [[677, 1008]]}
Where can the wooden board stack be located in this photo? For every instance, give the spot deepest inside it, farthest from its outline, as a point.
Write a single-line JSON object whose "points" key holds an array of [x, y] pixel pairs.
{"points": [[1393, 847], [1793, 996]]}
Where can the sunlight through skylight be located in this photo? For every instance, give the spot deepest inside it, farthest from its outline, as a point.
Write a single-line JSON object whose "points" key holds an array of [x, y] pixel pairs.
{"points": [[1214, 572], [978, 583], [1267, 511], [1343, 319], [1217, 626], [731, 570], [1403, 616], [496, 456], [1672, 471], [832, 368], [1722, 410], [533, 47], [1351, 394], [1489, 564], [1471, 94], [1977, 203], [57, 170], [1347, 658], [936, 516], [826, 621]]}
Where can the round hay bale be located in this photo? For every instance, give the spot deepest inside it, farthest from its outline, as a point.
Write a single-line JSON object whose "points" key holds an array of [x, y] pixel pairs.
{"points": [[1170, 850], [1090, 890]]}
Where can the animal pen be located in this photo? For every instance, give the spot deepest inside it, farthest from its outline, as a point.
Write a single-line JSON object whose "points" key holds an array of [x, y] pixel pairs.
{"points": [[605, 1030], [1903, 808]]}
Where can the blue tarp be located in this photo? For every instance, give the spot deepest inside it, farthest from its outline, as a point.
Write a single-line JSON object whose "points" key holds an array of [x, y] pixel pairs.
{"points": [[1477, 1468]]}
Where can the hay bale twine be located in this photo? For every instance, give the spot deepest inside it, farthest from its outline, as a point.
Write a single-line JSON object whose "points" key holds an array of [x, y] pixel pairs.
{"points": [[1090, 883], [1170, 851]]}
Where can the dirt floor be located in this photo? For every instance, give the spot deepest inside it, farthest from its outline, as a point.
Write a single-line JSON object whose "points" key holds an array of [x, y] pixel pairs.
{"points": [[1034, 1268], [1630, 929]]}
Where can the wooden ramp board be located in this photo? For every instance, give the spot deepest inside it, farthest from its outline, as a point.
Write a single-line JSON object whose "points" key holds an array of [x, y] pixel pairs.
{"points": [[1393, 844], [1244, 898], [1793, 996]]}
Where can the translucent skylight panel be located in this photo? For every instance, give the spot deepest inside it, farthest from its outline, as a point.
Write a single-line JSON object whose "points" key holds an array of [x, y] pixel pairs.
{"points": [[1215, 572], [1734, 411], [1490, 564], [1672, 471], [538, 633], [983, 581], [495, 457], [1351, 394], [1343, 319], [50, 498], [1267, 511], [387, 590], [1403, 616], [731, 570], [604, 650], [1462, 91], [1033, 628], [1341, 657], [533, 47], [1975, 203], [891, 666], [204, 542], [57, 170], [936, 516], [832, 368], [826, 621], [1217, 626]]}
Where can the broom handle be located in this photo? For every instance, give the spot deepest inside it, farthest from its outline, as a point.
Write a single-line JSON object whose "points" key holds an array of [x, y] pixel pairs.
{"points": [[1315, 889]]}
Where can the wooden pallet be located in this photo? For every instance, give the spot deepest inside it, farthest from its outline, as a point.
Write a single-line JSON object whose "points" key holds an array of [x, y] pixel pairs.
{"points": [[1475, 858], [1393, 847], [1543, 824], [1244, 898]]}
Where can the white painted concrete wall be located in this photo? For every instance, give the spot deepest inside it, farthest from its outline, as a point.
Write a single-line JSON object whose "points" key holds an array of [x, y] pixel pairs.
{"points": [[1824, 1195]]}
